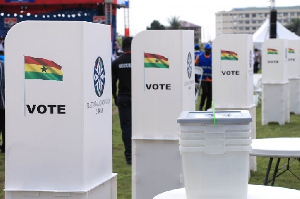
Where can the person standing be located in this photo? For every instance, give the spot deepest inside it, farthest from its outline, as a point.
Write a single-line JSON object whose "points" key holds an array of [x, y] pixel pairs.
{"points": [[197, 53], [205, 62], [2, 105], [121, 71], [257, 60]]}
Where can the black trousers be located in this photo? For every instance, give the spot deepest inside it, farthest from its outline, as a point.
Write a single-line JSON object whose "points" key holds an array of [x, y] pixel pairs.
{"points": [[2, 128], [206, 95], [124, 107], [255, 68]]}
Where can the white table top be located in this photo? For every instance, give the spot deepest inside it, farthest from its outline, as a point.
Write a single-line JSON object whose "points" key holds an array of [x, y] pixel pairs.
{"points": [[254, 192], [276, 147]]}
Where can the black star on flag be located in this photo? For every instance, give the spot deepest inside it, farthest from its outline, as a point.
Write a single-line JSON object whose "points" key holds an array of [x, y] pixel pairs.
{"points": [[44, 69]]}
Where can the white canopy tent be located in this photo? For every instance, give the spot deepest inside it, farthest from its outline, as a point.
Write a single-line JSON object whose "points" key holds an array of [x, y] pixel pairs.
{"points": [[263, 33]]}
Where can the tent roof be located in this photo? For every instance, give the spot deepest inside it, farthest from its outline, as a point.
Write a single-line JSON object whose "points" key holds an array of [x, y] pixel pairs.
{"points": [[49, 2], [282, 33]]}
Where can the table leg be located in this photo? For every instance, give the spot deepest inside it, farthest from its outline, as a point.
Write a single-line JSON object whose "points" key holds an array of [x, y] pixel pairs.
{"points": [[275, 171], [268, 171]]}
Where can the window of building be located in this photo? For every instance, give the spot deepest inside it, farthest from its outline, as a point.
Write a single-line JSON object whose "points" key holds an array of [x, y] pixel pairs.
{"points": [[241, 28], [261, 15], [241, 22], [247, 22], [254, 15], [254, 28], [266, 14], [234, 28], [298, 14], [292, 14], [279, 14], [247, 28], [234, 16], [253, 21], [285, 14], [241, 16], [247, 15], [285, 21], [235, 23]]}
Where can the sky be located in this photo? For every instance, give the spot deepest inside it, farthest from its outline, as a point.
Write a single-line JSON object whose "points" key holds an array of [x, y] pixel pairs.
{"points": [[199, 12]]}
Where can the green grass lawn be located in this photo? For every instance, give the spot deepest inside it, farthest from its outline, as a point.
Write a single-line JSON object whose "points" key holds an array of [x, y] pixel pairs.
{"points": [[123, 170]]}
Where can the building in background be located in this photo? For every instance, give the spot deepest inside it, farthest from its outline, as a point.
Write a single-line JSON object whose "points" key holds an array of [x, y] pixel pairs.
{"points": [[184, 25], [248, 20]]}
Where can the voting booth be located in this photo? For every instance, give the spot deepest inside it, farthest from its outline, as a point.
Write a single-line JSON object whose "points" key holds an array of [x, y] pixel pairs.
{"points": [[275, 82], [163, 85], [294, 75], [233, 77], [58, 111]]}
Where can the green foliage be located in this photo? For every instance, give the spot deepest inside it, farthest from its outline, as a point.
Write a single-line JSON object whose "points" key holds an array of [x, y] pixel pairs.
{"points": [[119, 163], [294, 26], [155, 25], [174, 23]]}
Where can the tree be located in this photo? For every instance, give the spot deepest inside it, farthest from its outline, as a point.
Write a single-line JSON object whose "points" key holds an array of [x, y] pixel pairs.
{"points": [[174, 23], [155, 25], [294, 26]]}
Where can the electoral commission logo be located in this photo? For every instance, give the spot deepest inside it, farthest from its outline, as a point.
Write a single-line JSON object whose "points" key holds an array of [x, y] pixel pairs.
{"points": [[99, 77], [189, 65]]}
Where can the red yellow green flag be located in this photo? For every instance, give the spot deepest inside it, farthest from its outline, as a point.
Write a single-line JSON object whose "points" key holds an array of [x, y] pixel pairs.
{"points": [[40, 68], [292, 51], [272, 51], [229, 55], [155, 61]]}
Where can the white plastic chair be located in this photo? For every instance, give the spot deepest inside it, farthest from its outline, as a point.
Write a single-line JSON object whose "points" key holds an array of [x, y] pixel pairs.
{"points": [[199, 72], [257, 88]]}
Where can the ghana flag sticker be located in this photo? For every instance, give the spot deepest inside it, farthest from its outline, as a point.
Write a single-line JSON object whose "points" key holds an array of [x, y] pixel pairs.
{"points": [[291, 51], [41, 68], [155, 61], [229, 55], [272, 51]]}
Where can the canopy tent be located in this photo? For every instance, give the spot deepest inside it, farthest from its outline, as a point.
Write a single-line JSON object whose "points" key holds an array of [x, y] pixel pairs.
{"points": [[98, 11], [262, 33], [49, 2]]}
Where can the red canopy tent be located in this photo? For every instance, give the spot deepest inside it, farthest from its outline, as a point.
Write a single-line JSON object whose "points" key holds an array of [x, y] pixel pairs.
{"points": [[98, 11]]}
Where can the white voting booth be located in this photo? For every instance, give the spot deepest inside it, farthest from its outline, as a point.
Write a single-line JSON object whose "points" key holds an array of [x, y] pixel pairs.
{"points": [[163, 85], [58, 111], [233, 77], [294, 75], [275, 82]]}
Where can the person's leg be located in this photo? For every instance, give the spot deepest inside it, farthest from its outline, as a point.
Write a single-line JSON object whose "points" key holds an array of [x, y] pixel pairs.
{"points": [[209, 96], [255, 67], [203, 95], [124, 107]]}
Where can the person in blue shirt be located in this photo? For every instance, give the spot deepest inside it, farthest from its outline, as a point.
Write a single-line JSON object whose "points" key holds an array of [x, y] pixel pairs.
{"points": [[205, 62], [197, 53], [2, 56]]}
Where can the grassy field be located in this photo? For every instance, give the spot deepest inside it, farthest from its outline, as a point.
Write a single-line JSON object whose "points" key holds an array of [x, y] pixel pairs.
{"points": [[287, 180]]}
